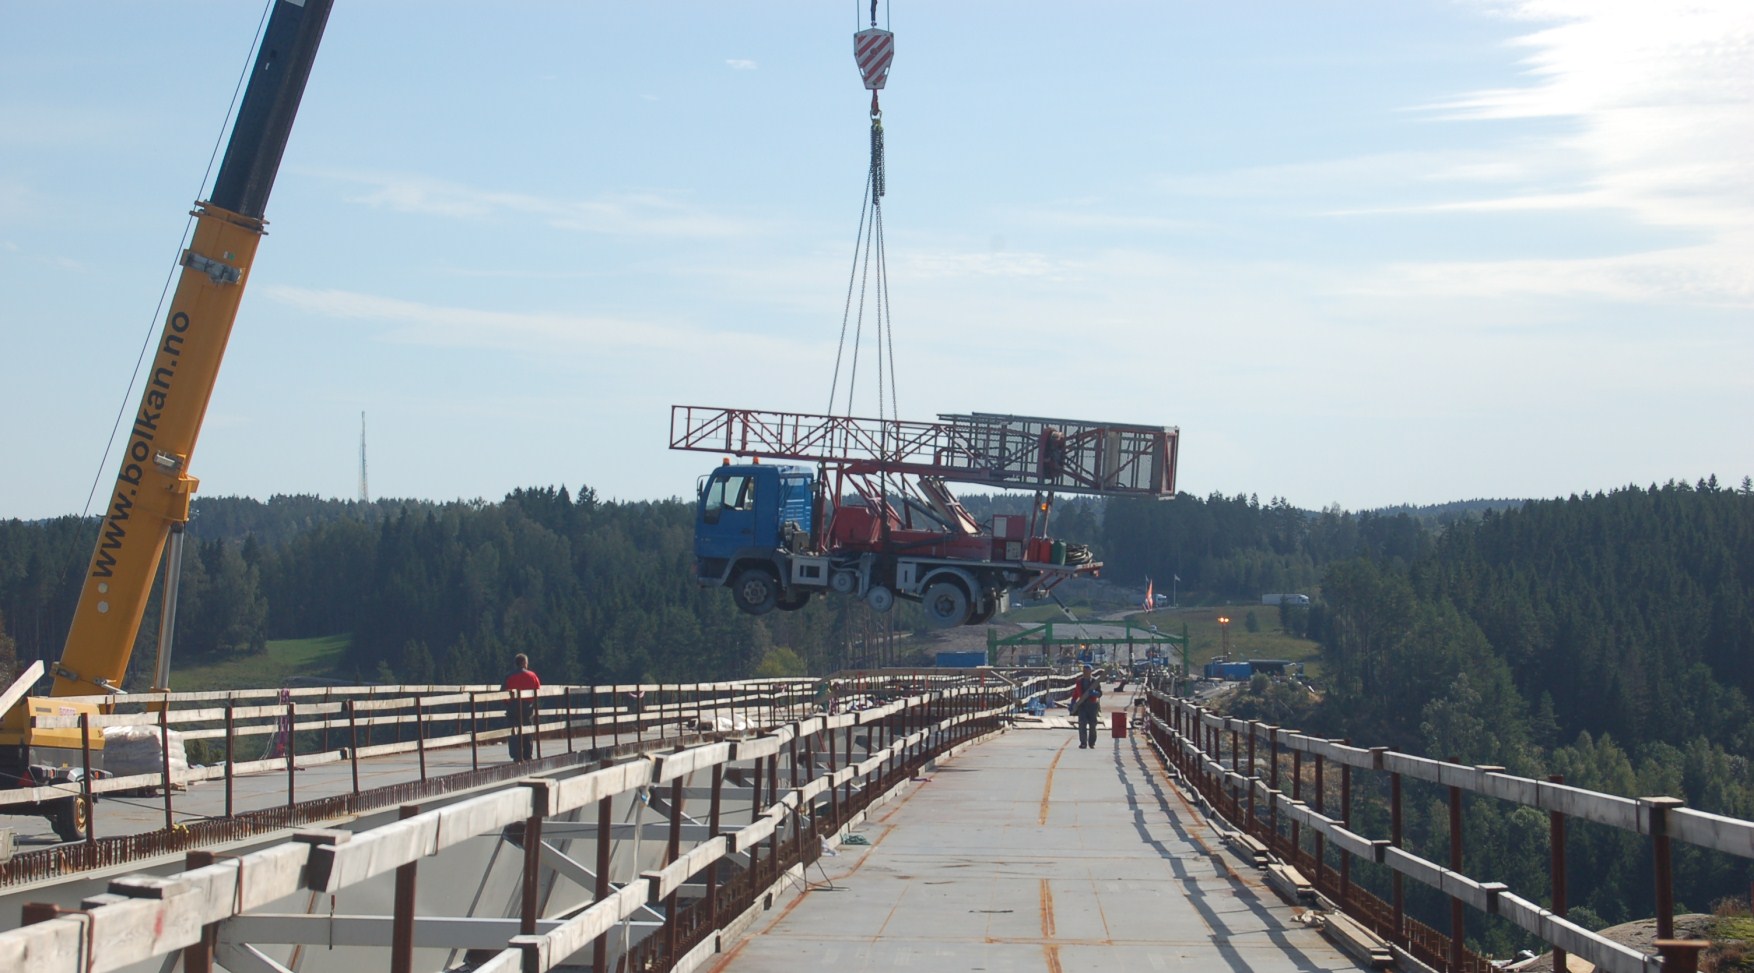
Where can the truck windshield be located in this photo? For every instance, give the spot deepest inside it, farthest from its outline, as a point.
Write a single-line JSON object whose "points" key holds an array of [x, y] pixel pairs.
{"points": [[734, 492]]}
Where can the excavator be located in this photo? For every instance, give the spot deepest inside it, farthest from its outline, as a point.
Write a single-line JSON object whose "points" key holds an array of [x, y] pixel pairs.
{"points": [[149, 507]]}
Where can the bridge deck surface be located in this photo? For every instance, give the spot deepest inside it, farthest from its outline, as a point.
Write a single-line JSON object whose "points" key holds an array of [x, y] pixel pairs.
{"points": [[1027, 853]]}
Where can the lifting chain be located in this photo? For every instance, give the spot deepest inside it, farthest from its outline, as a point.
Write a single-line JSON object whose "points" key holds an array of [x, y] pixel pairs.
{"points": [[877, 177]]}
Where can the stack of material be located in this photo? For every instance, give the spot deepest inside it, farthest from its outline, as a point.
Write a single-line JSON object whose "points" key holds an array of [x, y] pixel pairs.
{"points": [[130, 750], [735, 723]]}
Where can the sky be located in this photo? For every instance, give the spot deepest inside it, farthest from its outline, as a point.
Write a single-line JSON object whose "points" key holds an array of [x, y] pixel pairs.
{"points": [[1360, 253]]}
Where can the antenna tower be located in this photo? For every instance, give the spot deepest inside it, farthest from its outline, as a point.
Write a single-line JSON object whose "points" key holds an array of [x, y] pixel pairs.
{"points": [[364, 494]]}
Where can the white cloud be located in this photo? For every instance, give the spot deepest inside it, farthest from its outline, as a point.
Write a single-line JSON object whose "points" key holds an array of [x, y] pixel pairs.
{"points": [[618, 214], [1703, 275], [1651, 112], [1660, 104], [548, 334], [741, 64], [943, 264]]}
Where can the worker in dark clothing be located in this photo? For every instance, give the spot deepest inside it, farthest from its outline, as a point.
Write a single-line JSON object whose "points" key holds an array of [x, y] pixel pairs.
{"points": [[520, 710], [1087, 706]]}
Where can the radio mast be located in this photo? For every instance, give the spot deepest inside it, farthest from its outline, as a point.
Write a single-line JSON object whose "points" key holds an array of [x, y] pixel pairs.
{"points": [[364, 494]]}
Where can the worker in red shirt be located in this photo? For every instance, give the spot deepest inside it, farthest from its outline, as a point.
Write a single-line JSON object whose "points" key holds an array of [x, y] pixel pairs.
{"points": [[521, 708]]}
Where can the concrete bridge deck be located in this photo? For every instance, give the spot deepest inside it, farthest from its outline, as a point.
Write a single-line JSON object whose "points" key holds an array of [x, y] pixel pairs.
{"points": [[990, 843], [1027, 853]]}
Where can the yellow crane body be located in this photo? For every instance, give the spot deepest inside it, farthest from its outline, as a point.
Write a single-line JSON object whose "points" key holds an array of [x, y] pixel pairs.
{"points": [[153, 487]]}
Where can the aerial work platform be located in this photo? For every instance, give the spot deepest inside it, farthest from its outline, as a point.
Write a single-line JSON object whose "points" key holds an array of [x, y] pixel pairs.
{"points": [[1012, 452]]}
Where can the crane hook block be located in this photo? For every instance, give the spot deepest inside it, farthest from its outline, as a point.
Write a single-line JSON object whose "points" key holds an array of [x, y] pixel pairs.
{"points": [[874, 49]]}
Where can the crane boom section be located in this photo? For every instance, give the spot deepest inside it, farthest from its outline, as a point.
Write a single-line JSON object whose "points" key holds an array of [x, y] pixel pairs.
{"points": [[1013, 452], [153, 489]]}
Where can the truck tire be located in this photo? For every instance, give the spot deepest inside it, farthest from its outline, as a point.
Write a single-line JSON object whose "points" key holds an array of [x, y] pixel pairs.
{"points": [[755, 591], [880, 598], [70, 817], [844, 582], [946, 604]]}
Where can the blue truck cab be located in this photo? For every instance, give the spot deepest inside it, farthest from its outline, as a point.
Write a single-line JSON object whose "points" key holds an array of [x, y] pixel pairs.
{"points": [[748, 514]]}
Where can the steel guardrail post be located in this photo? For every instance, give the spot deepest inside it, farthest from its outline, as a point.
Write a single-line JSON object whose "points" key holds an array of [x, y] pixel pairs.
{"points": [[1556, 868], [198, 956], [673, 851], [1662, 875], [420, 735], [1321, 858], [712, 868], [164, 741], [474, 735], [231, 756], [291, 754], [605, 823], [1399, 891], [353, 741], [1346, 820], [1458, 917], [85, 779], [402, 920]]}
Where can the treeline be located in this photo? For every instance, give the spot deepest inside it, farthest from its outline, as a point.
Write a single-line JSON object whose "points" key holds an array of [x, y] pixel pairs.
{"points": [[1606, 638], [602, 590], [594, 591], [1236, 548]]}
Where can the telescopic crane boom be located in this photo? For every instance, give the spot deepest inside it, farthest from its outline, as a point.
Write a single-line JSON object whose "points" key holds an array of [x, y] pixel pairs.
{"points": [[150, 502], [153, 487]]}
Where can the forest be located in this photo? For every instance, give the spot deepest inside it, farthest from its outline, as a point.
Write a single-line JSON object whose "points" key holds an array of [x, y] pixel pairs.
{"points": [[1603, 636]]}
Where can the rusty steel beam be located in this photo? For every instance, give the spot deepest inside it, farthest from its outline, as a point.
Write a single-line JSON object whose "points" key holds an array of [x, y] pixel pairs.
{"points": [[1556, 869], [402, 931], [605, 822]]}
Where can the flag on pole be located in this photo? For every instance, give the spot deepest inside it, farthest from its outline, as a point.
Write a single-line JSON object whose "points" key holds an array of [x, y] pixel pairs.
{"points": [[1148, 605]]}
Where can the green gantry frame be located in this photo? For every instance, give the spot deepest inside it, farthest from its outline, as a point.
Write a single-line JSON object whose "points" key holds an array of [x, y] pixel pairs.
{"points": [[1043, 635]]}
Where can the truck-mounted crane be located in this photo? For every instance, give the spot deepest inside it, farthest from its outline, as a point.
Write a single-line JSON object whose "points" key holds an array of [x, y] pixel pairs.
{"points": [[150, 503]]}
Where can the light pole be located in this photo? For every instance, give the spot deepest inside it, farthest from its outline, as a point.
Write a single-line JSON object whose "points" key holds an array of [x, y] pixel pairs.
{"points": [[1224, 635]]}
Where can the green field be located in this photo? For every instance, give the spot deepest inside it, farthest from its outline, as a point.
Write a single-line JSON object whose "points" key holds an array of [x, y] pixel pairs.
{"points": [[1206, 637], [268, 669], [1037, 612]]}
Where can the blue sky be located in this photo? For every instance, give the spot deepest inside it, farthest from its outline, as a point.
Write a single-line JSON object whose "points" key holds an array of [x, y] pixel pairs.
{"points": [[1360, 253]]}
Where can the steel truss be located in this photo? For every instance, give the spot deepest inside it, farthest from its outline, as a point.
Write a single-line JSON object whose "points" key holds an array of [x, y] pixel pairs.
{"points": [[1012, 452]]}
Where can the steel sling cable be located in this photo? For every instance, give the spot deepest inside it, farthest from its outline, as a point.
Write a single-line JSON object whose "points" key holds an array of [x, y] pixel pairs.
{"points": [[170, 275]]}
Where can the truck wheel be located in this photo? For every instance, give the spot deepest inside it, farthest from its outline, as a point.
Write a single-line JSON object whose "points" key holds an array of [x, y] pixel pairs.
{"points": [[946, 604], [755, 591], [880, 599], [70, 817], [844, 582]]}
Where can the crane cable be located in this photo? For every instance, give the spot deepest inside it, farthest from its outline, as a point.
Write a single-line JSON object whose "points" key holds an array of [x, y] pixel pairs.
{"points": [[154, 323], [873, 49]]}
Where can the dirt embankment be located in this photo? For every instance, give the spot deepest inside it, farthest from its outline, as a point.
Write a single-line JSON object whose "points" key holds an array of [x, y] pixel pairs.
{"points": [[1730, 951]]}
